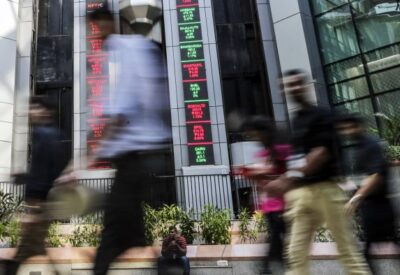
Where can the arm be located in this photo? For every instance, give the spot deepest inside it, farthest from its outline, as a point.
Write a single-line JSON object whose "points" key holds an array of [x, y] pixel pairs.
{"points": [[369, 185], [315, 160]]}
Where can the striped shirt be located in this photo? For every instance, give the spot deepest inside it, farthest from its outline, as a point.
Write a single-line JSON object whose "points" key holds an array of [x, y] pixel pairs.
{"points": [[168, 250]]}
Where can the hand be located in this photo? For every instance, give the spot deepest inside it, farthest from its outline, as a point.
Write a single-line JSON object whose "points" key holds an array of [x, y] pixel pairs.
{"points": [[353, 204]]}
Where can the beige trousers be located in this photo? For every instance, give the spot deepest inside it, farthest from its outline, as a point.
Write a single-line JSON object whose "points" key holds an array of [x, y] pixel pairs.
{"points": [[309, 207]]}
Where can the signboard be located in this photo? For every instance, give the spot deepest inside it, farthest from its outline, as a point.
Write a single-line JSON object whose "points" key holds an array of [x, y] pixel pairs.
{"points": [[97, 82], [194, 78]]}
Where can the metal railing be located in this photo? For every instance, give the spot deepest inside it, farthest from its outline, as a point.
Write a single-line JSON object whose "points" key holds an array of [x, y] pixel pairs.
{"points": [[224, 191]]}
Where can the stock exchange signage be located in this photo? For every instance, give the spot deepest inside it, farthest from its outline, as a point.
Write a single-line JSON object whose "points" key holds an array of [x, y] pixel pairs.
{"points": [[97, 81], [194, 77]]}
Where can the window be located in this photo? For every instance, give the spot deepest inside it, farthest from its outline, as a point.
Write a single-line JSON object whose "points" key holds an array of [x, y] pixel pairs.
{"points": [[360, 46], [378, 22], [337, 35], [321, 6]]}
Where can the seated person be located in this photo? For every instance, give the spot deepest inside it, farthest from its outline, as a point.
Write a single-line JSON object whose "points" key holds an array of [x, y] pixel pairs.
{"points": [[173, 251]]}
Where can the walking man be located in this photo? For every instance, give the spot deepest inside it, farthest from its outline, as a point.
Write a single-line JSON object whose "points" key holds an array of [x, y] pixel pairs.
{"points": [[48, 159], [137, 130], [366, 161], [313, 196]]}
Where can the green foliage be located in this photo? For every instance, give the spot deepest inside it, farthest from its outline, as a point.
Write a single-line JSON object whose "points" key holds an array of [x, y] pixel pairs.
{"points": [[53, 238], [391, 128], [260, 222], [159, 222], [10, 231], [246, 231], [393, 152], [215, 225], [9, 205], [85, 235], [323, 235]]}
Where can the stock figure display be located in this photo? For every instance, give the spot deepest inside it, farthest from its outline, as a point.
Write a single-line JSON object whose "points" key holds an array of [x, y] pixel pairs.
{"points": [[194, 77], [97, 81]]}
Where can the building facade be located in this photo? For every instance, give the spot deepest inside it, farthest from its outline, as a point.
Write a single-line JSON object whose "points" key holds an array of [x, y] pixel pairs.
{"points": [[224, 59]]}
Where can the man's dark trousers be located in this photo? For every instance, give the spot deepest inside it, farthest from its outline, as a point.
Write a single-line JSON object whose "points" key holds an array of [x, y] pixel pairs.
{"points": [[123, 217]]}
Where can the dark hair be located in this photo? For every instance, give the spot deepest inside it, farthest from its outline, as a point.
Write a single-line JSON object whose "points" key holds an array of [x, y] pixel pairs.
{"points": [[355, 118], [266, 126], [100, 14], [44, 102], [298, 72]]}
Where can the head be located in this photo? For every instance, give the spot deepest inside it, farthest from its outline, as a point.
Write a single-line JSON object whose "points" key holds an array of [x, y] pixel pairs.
{"points": [[350, 126], [173, 231], [260, 128], [295, 83], [41, 110], [104, 19]]}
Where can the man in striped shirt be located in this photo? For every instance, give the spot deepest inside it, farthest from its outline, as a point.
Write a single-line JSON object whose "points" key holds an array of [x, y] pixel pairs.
{"points": [[173, 251]]}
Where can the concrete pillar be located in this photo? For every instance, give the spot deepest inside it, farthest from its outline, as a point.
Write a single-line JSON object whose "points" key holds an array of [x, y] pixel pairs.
{"points": [[180, 140], [8, 52], [296, 43]]}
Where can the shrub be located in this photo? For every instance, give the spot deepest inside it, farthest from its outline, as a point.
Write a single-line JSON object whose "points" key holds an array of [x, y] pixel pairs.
{"points": [[393, 152], [158, 223], [260, 222], [53, 238], [215, 225], [85, 235], [247, 232], [9, 205]]}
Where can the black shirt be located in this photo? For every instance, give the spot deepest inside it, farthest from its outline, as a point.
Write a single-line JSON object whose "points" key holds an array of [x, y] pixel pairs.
{"points": [[370, 159], [314, 127], [48, 160]]}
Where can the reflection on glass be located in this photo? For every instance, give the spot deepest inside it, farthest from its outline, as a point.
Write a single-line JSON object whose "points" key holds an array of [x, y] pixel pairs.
{"points": [[364, 107], [389, 104], [337, 35], [378, 22], [348, 68], [383, 58], [386, 81], [349, 90], [325, 5]]}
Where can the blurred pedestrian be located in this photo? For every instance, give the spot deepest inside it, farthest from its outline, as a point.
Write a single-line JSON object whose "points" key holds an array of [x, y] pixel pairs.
{"points": [[313, 197], [173, 252], [366, 159], [274, 157], [136, 131], [48, 159]]}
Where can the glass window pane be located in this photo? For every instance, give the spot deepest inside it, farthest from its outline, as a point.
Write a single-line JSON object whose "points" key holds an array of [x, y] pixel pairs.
{"points": [[343, 70], [378, 22], [349, 90], [337, 35], [389, 104], [364, 107], [383, 58], [321, 6], [386, 81]]}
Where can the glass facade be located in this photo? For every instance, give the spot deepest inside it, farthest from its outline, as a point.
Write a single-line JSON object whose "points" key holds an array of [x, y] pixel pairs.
{"points": [[360, 47]]}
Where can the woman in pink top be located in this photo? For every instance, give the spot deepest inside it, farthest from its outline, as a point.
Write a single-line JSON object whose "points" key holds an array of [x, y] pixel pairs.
{"points": [[275, 156]]}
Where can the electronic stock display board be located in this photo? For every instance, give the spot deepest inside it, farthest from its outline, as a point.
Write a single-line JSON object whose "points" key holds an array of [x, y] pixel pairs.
{"points": [[97, 82], [194, 78]]}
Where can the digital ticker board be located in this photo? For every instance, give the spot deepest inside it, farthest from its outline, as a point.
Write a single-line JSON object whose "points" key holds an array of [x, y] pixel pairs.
{"points": [[194, 78], [97, 82]]}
